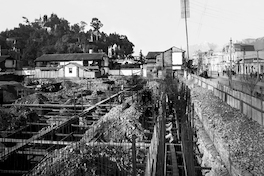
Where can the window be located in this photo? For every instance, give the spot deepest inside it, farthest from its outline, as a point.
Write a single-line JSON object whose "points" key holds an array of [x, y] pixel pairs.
{"points": [[70, 70]]}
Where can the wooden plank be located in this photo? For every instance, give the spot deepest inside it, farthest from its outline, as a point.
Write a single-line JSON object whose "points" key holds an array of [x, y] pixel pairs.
{"points": [[124, 144], [80, 126], [33, 152], [47, 105], [195, 167], [175, 170], [25, 141], [18, 131], [13, 171], [29, 132], [49, 142], [37, 123], [56, 116], [108, 105], [74, 135], [33, 138], [57, 110]]}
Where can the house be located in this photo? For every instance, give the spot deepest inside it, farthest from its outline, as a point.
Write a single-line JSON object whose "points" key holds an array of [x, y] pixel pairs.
{"points": [[170, 62], [244, 59], [148, 67], [161, 64], [80, 65], [7, 64]]}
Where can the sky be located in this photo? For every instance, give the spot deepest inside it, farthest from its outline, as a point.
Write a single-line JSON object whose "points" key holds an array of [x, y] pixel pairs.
{"points": [[151, 25]]}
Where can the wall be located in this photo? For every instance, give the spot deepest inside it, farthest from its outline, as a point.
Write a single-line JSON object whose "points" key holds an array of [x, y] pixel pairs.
{"points": [[10, 63], [59, 74], [48, 74], [67, 62], [177, 58], [248, 105], [25, 72], [126, 72], [74, 72]]}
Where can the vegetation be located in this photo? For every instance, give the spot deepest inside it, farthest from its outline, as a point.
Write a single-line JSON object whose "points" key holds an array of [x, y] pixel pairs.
{"points": [[49, 35]]}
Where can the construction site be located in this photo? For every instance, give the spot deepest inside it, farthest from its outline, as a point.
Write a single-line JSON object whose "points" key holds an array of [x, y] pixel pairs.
{"points": [[121, 126]]}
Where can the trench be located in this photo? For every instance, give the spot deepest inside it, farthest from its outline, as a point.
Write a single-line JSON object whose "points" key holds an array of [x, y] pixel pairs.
{"points": [[173, 100], [180, 105]]}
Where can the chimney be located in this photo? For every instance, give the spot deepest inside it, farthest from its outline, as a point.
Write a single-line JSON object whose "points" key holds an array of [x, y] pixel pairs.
{"points": [[90, 51]]}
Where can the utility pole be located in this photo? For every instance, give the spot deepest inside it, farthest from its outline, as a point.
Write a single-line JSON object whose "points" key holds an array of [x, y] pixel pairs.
{"points": [[258, 64], [185, 13], [230, 67], [244, 53], [185, 4]]}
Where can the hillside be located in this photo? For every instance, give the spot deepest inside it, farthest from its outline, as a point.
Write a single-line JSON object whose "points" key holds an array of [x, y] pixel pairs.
{"points": [[258, 42]]}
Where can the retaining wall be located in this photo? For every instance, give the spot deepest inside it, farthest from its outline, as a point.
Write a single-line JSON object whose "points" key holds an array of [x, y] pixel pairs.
{"points": [[249, 105]]}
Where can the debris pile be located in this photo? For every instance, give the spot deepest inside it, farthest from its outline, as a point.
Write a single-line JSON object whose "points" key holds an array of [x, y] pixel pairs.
{"points": [[14, 118], [118, 125], [36, 98], [85, 159]]}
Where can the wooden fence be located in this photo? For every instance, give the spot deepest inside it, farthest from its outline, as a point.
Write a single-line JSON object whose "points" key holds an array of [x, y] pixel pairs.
{"points": [[249, 105]]}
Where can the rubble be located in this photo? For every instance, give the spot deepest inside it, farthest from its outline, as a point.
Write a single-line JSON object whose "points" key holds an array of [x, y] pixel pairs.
{"points": [[118, 125], [238, 139], [84, 158]]}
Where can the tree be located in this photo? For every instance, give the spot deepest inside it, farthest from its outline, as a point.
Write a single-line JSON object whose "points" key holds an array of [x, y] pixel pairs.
{"points": [[96, 24], [124, 46], [82, 26], [51, 34], [249, 82], [141, 58]]}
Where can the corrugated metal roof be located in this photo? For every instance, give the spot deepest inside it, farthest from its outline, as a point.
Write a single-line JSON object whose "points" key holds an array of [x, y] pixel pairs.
{"points": [[71, 57]]}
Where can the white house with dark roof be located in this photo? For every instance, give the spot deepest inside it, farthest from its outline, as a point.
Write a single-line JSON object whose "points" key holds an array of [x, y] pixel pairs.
{"points": [[73, 65]]}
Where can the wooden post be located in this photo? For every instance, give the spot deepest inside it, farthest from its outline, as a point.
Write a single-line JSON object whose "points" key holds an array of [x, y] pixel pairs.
{"points": [[74, 103], [82, 99], [134, 152]]}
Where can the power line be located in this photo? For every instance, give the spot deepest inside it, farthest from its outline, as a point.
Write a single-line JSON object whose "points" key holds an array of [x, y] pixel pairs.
{"points": [[215, 27], [224, 11], [199, 28], [233, 16], [228, 19]]}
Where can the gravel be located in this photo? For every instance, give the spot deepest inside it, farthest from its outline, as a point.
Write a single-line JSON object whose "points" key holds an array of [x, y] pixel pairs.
{"points": [[240, 136]]}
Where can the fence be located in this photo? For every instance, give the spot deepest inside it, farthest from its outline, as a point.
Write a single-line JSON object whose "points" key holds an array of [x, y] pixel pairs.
{"points": [[126, 72], [249, 105]]}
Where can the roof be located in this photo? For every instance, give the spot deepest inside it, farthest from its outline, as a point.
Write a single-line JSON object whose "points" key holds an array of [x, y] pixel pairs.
{"points": [[76, 64], [3, 58], [175, 49], [244, 47], [152, 55], [71, 57], [87, 68]]}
